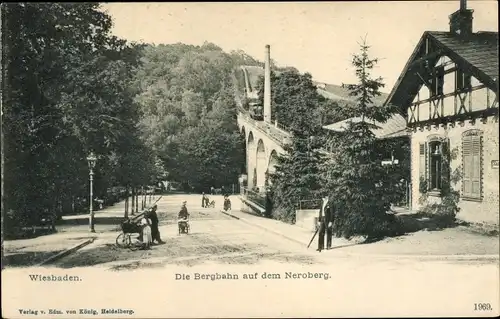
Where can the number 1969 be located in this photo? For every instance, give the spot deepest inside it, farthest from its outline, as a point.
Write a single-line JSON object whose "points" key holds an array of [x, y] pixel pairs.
{"points": [[482, 306]]}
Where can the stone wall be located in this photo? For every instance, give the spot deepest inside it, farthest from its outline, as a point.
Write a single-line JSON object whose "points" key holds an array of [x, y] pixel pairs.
{"points": [[307, 218]]}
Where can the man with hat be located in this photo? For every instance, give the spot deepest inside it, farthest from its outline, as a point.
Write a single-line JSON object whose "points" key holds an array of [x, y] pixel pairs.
{"points": [[325, 225], [155, 231]]}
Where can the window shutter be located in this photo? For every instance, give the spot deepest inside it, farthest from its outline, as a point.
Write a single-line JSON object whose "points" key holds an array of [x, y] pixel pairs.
{"points": [[427, 164], [476, 166], [467, 164], [421, 160], [445, 164]]}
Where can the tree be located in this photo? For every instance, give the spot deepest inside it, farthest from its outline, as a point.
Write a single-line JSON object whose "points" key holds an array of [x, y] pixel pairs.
{"points": [[69, 92], [240, 57], [189, 114], [297, 174], [355, 179]]}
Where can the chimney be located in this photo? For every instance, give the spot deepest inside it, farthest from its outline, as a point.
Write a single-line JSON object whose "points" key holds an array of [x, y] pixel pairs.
{"points": [[267, 85], [461, 20]]}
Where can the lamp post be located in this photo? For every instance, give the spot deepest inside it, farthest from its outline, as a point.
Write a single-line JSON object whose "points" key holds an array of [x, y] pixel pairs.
{"points": [[91, 159]]}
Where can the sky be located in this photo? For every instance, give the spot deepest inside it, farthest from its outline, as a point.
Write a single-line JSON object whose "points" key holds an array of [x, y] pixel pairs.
{"points": [[314, 37]]}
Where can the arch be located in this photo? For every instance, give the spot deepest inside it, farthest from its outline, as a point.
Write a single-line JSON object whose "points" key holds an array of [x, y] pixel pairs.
{"points": [[473, 132], [251, 139], [243, 131], [261, 164], [260, 146], [273, 160], [435, 138], [251, 159]]}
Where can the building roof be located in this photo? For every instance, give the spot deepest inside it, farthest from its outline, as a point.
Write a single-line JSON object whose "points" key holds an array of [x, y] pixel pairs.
{"points": [[476, 53], [394, 127], [480, 49]]}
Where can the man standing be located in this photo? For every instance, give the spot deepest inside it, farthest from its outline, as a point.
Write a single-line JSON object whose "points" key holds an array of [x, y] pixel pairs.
{"points": [[322, 223], [329, 219], [155, 232], [203, 200]]}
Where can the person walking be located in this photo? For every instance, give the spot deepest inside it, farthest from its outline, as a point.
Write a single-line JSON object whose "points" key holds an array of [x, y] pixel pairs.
{"points": [[203, 200]]}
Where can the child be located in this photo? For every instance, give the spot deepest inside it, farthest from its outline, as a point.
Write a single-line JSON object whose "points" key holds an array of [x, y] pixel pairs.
{"points": [[147, 237]]}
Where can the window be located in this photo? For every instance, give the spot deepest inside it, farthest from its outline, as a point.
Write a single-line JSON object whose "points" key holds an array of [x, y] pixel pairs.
{"points": [[471, 164], [463, 81], [432, 164], [435, 162], [437, 82]]}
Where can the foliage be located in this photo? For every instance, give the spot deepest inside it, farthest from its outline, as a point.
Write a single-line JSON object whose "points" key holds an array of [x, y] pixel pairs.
{"points": [[355, 180], [446, 209], [69, 92], [297, 173], [189, 113], [398, 175], [240, 57]]}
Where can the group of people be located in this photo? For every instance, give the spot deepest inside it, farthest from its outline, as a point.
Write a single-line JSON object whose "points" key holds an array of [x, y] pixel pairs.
{"points": [[205, 201], [150, 231], [149, 226]]}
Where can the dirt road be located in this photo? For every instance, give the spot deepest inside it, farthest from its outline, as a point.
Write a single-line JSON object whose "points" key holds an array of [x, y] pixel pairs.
{"points": [[214, 237]]}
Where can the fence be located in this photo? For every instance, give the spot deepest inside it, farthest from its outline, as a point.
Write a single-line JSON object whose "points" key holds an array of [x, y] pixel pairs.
{"points": [[316, 203], [309, 204], [229, 189], [268, 129], [281, 127], [257, 198]]}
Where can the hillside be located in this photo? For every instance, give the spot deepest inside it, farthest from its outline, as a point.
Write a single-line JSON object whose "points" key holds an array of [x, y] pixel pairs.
{"points": [[330, 91]]}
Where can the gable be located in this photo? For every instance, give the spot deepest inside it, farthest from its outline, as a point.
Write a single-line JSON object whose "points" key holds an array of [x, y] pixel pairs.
{"points": [[476, 97], [476, 55]]}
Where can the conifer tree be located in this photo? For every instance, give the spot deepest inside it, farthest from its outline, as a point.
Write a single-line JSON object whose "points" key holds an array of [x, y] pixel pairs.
{"points": [[355, 179], [297, 174]]}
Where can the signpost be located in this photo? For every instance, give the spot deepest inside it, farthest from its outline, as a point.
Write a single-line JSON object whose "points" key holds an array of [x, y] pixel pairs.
{"points": [[494, 164]]}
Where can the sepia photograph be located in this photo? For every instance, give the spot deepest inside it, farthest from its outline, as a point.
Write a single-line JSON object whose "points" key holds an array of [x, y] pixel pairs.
{"points": [[250, 159]]}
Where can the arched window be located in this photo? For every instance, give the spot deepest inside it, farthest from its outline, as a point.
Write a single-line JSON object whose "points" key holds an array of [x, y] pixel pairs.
{"points": [[431, 161], [436, 162]]}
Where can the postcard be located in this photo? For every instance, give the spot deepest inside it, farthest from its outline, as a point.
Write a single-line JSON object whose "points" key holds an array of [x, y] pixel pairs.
{"points": [[243, 160]]}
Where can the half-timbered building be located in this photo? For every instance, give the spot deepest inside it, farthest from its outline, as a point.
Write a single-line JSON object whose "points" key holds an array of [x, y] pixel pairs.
{"points": [[448, 92]]}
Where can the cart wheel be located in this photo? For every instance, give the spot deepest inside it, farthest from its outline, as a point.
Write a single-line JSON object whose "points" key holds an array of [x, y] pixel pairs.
{"points": [[122, 241]]}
